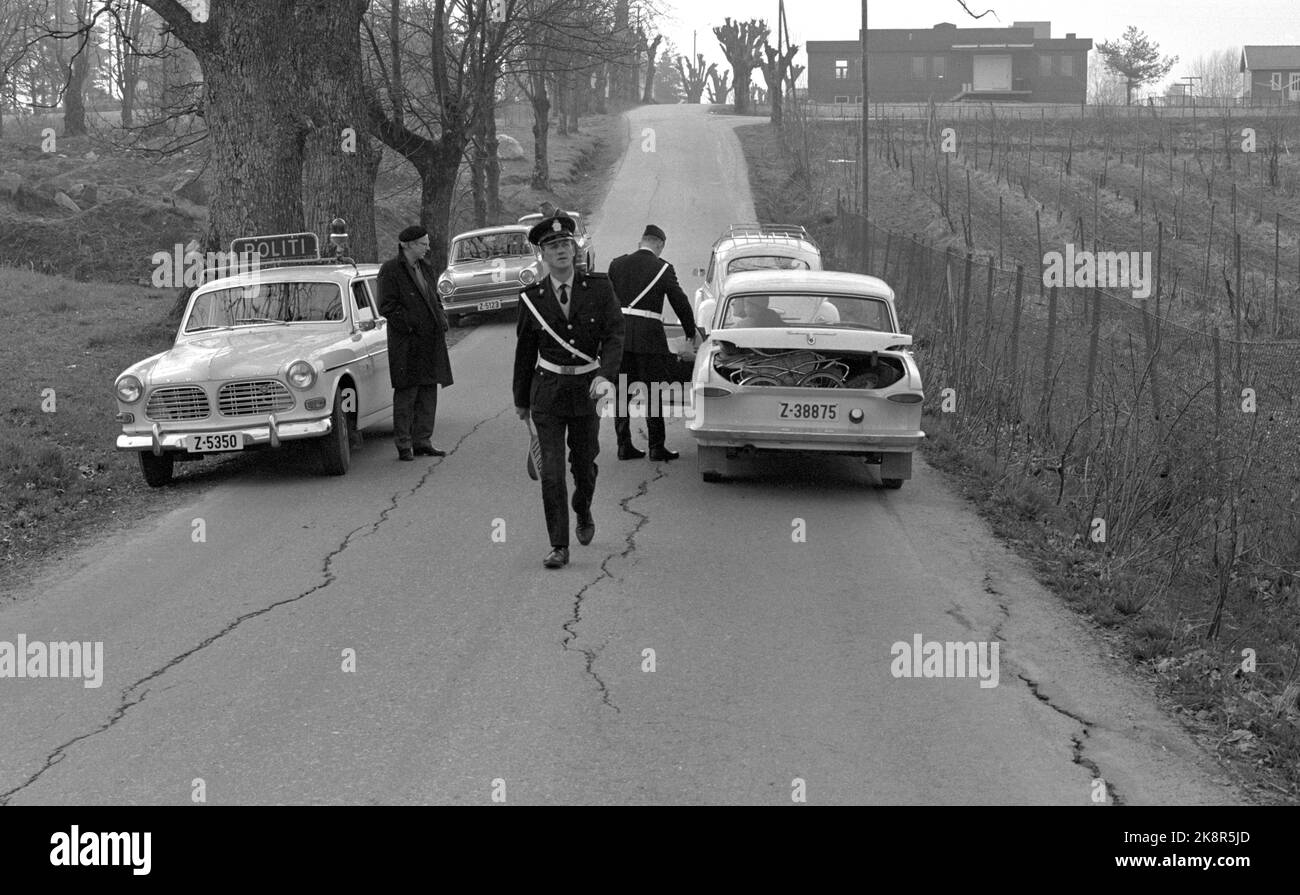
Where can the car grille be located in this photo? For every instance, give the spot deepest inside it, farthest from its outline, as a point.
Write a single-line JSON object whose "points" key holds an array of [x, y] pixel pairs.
{"points": [[183, 402], [254, 397]]}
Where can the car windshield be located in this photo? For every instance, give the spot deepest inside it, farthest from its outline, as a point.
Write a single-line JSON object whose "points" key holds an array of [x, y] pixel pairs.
{"points": [[491, 245], [844, 311], [766, 262], [266, 303]]}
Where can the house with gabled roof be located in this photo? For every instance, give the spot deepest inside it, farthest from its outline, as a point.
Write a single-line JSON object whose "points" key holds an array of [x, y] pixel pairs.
{"points": [[1271, 74]]}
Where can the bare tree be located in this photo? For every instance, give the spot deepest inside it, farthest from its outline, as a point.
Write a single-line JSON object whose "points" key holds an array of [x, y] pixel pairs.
{"points": [[651, 50], [719, 86], [694, 75], [19, 32], [740, 42], [776, 71], [1218, 72]]}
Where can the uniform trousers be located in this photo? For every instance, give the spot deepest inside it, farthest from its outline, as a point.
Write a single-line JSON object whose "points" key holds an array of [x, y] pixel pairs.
{"points": [[646, 369], [583, 433]]}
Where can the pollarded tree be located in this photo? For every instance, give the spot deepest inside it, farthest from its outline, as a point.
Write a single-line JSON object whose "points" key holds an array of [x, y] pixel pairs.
{"points": [[776, 71], [651, 50], [740, 42], [719, 86], [694, 75], [1136, 58]]}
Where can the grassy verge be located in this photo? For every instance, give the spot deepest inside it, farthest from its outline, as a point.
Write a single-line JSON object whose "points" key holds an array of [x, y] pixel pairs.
{"points": [[1247, 716], [63, 483]]}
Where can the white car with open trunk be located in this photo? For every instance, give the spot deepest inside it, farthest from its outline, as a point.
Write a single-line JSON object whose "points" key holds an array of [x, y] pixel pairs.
{"points": [[806, 361]]}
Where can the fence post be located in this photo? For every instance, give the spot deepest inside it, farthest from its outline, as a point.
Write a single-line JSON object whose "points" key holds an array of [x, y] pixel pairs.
{"points": [[964, 322], [988, 312], [1044, 397], [1017, 310], [1153, 352], [1093, 339]]}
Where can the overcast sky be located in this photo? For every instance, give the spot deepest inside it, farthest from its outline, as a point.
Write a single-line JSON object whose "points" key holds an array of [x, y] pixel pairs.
{"points": [[1186, 28]]}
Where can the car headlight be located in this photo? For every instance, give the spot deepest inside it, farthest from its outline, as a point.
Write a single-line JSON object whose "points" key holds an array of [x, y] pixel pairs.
{"points": [[129, 389], [302, 375], [446, 287], [527, 277]]}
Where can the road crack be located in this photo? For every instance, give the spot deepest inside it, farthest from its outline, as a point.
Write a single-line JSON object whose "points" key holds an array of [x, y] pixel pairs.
{"points": [[137, 692], [1078, 740], [629, 546]]}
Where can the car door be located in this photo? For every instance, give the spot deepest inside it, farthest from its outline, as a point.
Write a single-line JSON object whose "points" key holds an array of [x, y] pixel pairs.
{"points": [[376, 390]]}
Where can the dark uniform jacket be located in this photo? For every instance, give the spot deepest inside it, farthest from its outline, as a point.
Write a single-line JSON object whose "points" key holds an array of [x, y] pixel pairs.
{"points": [[630, 274], [417, 326], [595, 327]]}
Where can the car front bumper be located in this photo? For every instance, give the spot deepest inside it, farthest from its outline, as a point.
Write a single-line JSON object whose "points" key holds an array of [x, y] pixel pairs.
{"points": [[271, 433]]}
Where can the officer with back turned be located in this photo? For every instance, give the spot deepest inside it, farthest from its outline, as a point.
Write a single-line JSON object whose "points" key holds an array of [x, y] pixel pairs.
{"points": [[570, 344]]}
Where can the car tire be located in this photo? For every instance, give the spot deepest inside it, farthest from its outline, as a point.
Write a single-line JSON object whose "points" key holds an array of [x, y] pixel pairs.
{"points": [[336, 447], [157, 469], [892, 484], [712, 463]]}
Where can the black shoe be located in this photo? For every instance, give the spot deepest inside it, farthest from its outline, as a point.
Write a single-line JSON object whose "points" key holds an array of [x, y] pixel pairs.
{"points": [[629, 452], [586, 529], [662, 453], [558, 559], [428, 450], [405, 454]]}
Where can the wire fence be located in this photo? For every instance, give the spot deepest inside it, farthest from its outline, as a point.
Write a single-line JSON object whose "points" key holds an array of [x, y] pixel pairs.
{"points": [[1181, 442]]}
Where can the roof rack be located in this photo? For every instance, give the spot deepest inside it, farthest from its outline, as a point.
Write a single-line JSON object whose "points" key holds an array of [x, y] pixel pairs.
{"points": [[756, 232]]}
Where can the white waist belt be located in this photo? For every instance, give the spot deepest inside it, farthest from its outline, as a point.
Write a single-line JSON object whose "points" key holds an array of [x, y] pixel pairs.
{"points": [[640, 313], [569, 370]]}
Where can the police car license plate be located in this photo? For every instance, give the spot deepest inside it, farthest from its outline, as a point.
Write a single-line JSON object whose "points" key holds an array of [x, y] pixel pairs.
{"points": [[493, 305], [803, 410], [211, 444]]}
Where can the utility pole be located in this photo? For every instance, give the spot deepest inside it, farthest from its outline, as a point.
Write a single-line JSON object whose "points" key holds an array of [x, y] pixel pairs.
{"points": [[862, 153]]}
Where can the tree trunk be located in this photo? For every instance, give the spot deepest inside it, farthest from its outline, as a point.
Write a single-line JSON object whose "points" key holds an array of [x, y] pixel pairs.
{"points": [[741, 89], [652, 53], [74, 99], [598, 95], [478, 178], [438, 169], [493, 167], [339, 159], [541, 133]]}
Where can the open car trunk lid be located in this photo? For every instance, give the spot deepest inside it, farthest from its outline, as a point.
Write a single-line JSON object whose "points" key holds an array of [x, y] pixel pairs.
{"points": [[822, 339]]}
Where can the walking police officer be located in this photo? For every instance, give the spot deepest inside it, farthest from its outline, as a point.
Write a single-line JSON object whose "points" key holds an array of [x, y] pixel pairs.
{"points": [[643, 280], [570, 344]]}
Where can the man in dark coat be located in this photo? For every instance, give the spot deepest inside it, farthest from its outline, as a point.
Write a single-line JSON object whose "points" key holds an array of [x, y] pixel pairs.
{"points": [[643, 280], [418, 361], [565, 322]]}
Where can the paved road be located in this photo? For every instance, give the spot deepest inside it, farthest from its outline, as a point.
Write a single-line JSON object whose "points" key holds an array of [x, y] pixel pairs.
{"points": [[223, 659]]}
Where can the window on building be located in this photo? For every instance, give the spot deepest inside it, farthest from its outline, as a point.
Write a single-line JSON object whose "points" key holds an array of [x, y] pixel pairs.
{"points": [[918, 68], [858, 99], [1294, 83], [1276, 80], [939, 65], [1067, 65], [1045, 65], [841, 99], [841, 69]]}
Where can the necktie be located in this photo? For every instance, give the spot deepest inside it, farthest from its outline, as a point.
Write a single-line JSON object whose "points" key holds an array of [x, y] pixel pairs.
{"points": [[564, 299]]}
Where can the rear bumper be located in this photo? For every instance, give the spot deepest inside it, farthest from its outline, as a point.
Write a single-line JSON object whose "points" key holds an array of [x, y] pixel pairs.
{"points": [[272, 433], [807, 441]]}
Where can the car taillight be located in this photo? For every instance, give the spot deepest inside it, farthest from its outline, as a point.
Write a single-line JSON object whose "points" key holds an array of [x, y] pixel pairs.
{"points": [[714, 391], [906, 398]]}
